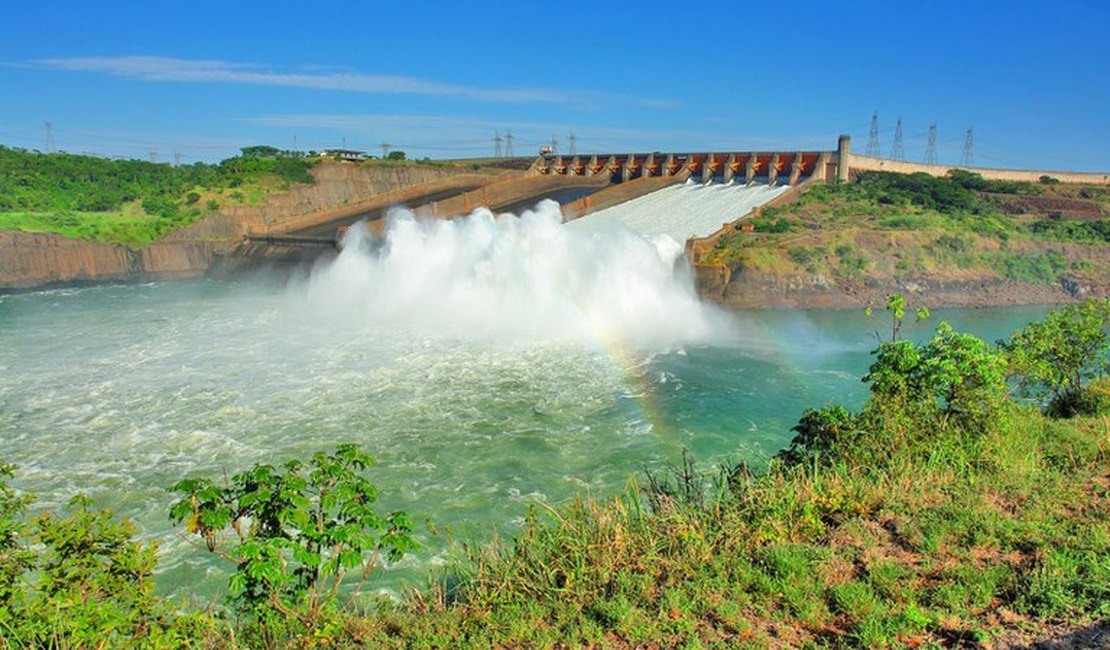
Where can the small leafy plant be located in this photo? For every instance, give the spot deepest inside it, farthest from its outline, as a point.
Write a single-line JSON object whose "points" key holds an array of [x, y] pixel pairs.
{"points": [[295, 531]]}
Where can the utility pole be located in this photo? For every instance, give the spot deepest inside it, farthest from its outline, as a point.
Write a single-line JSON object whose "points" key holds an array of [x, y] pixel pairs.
{"points": [[897, 152], [931, 145], [496, 145], [508, 143], [873, 137], [968, 159], [49, 148], [571, 139]]}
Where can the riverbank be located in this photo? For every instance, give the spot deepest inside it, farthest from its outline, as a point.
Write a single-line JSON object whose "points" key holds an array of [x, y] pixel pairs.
{"points": [[952, 242], [834, 543]]}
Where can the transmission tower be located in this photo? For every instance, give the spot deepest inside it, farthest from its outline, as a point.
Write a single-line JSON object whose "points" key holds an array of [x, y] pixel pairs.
{"points": [[968, 159], [177, 159], [554, 144], [931, 145], [153, 155], [896, 151], [873, 138], [50, 148], [508, 144], [571, 139], [496, 145], [385, 149]]}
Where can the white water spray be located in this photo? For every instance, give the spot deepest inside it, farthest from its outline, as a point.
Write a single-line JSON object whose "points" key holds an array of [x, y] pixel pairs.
{"points": [[514, 278]]}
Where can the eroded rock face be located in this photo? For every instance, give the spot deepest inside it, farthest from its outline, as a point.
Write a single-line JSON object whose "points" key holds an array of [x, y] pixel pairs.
{"points": [[741, 288], [33, 259]]}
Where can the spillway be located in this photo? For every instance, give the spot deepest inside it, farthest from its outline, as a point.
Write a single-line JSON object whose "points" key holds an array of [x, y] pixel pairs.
{"points": [[682, 211]]}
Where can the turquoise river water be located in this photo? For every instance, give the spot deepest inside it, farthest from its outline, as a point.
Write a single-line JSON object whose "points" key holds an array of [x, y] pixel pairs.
{"points": [[485, 363]]}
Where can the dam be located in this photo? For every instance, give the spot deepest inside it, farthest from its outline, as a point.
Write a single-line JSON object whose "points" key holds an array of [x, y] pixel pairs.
{"points": [[306, 224], [681, 195]]}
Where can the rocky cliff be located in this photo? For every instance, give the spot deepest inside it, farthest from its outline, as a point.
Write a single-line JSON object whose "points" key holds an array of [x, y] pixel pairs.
{"points": [[737, 287]]}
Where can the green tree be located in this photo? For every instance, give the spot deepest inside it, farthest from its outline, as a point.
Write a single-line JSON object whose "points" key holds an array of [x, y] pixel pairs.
{"points": [[260, 151], [296, 530], [396, 155], [1061, 353]]}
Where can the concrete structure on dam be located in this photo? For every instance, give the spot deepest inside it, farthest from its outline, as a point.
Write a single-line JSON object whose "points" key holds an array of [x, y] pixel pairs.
{"points": [[786, 167], [789, 167]]}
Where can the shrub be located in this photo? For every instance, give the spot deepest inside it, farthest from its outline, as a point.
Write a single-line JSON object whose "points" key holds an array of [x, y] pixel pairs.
{"points": [[78, 580], [1061, 352], [297, 530]]}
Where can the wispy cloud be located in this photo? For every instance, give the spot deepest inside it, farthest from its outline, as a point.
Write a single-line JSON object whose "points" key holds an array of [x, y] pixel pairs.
{"points": [[165, 69]]}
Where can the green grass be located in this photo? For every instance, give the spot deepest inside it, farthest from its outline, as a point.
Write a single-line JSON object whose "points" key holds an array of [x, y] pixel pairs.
{"points": [[127, 228], [890, 226], [131, 202]]}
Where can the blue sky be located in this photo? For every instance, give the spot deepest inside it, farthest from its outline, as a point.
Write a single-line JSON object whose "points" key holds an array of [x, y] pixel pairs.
{"points": [[440, 79]]}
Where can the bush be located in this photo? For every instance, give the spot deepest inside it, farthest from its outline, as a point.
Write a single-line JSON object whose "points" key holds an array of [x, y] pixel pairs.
{"points": [[1061, 352], [296, 530], [78, 580]]}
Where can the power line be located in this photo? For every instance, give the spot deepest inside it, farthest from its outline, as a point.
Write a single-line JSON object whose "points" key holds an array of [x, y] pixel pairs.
{"points": [[873, 137], [898, 152], [931, 145], [968, 159]]}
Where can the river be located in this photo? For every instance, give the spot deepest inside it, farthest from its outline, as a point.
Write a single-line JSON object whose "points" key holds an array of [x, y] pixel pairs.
{"points": [[485, 363]]}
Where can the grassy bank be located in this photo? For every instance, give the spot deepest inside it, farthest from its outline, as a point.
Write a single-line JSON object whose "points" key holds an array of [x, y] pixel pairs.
{"points": [[902, 227], [943, 512], [131, 202]]}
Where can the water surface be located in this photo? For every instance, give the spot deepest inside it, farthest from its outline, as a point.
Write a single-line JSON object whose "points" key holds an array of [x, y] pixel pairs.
{"points": [[485, 365]]}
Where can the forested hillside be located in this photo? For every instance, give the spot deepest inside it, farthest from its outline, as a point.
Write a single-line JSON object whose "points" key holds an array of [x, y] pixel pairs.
{"points": [[131, 202]]}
